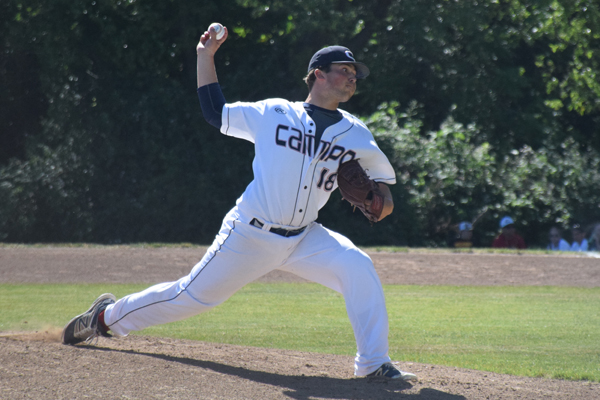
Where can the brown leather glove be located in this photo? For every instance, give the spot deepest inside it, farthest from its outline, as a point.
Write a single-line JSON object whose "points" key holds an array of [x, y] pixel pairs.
{"points": [[360, 191]]}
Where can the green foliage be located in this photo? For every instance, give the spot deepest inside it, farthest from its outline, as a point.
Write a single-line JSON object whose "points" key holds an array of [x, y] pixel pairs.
{"points": [[553, 186], [569, 67], [102, 139], [44, 199], [451, 177], [119, 84]]}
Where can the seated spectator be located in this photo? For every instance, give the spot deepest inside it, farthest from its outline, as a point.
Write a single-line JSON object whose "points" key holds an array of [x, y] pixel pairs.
{"points": [[464, 238], [556, 241], [509, 238], [580, 243], [594, 243]]}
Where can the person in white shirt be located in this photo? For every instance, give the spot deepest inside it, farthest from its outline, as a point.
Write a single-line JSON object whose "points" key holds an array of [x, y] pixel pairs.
{"points": [[580, 243], [556, 241], [298, 148]]}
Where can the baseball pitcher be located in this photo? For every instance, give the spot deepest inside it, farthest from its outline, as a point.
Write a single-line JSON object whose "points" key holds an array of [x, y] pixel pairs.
{"points": [[303, 152]]}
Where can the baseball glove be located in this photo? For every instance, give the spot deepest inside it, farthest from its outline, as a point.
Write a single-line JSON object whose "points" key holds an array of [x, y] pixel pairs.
{"points": [[360, 191]]}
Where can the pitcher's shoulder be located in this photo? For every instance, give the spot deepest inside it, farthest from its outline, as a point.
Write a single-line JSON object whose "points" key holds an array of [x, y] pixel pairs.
{"points": [[355, 120]]}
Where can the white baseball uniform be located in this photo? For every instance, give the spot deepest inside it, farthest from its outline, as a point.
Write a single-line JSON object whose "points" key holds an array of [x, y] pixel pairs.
{"points": [[291, 183]]}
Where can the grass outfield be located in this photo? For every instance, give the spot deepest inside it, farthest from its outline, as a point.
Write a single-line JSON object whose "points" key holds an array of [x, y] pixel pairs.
{"points": [[551, 332]]}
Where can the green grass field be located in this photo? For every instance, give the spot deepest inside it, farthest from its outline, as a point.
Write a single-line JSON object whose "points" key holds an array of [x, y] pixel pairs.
{"points": [[531, 331]]}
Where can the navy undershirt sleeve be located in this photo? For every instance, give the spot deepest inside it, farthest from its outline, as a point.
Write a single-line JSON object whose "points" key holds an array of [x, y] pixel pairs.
{"points": [[212, 102]]}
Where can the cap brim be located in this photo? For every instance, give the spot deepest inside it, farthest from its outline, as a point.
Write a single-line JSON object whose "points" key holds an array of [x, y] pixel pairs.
{"points": [[362, 71]]}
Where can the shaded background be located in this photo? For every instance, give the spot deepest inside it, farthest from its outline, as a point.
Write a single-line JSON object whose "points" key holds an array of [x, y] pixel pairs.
{"points": [[485, 109]]}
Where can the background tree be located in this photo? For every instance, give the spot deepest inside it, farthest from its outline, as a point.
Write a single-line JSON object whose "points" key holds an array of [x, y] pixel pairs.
{"points": [[102, 137]]}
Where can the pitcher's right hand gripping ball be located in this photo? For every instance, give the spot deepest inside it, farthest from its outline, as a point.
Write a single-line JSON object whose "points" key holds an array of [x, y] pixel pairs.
{"points": [[218, 28], [359, 190]]}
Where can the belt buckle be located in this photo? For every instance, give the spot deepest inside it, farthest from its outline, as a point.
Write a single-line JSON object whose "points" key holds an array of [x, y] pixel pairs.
{"points": [[289, 233]]}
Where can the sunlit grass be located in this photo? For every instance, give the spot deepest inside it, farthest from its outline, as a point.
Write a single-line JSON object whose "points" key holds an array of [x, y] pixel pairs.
{"points": [[529, 331]]}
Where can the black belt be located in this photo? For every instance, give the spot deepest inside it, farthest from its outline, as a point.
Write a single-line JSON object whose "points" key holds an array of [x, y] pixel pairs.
{"points": [[279, 231]]}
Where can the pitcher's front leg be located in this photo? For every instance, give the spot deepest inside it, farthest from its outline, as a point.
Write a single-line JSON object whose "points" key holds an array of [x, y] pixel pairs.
{"points": [[240, 254]]}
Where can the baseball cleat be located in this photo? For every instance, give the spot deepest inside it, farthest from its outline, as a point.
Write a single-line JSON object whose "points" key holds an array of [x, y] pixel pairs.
{"points": [[84, 327], [388, 370]]}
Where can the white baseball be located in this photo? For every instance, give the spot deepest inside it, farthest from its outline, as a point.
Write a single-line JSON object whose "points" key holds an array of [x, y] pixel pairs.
{"points": [[218, 28]]}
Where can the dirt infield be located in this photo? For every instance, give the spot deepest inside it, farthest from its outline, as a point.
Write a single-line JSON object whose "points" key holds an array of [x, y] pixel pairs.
{"points": [[37, 366]]}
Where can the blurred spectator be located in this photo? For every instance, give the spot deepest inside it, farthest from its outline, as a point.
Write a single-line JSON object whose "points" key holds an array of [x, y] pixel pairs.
{"points": [[556, 241], [464, 237], [580, 243], [594, 243], [509, 238]]}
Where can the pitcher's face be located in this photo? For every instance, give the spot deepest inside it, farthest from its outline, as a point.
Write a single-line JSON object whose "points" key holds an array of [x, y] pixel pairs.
{"points": [[341, 81]]}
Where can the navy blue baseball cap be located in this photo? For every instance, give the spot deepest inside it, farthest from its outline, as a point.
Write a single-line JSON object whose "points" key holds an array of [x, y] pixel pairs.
{"points": [[337, 55]]}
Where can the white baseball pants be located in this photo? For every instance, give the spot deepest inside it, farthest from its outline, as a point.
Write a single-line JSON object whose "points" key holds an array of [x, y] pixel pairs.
{"points": [[240, 254]]}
